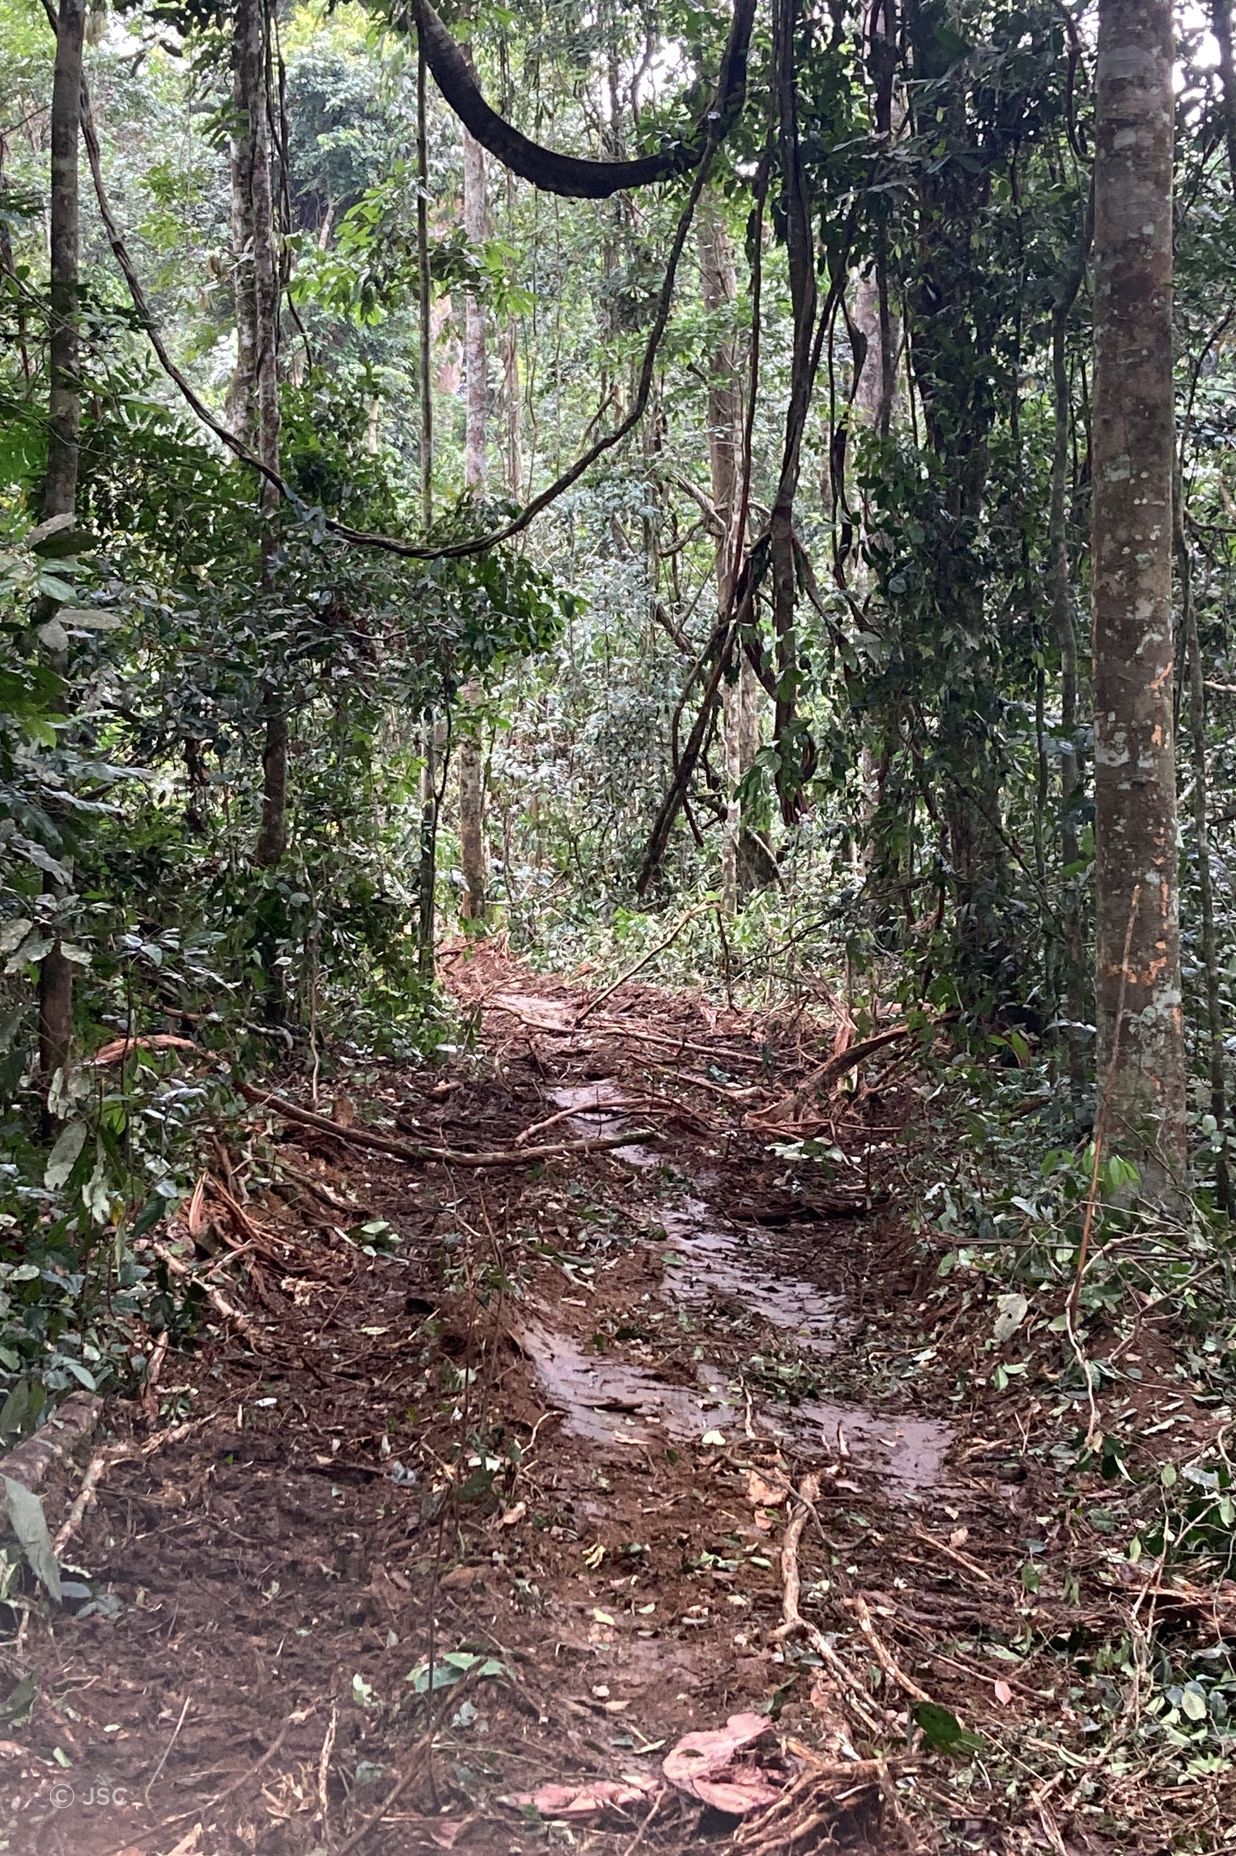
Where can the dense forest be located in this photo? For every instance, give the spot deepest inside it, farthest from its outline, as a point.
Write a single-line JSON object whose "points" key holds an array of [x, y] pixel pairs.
{"points": [[617, 807]]}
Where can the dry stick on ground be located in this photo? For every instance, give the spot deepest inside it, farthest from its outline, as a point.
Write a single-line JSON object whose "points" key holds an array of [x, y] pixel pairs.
{"points": [[99, 1465], [447, 1156], [883, 1655], [950, 1553], [807, 1496], [154, 1366], [227, 1311], [565, 1114], [157, 1773], [295, 1719], [324, 1759], [319, 1188], [95, 1471], [600, 998], [415, 1758]]}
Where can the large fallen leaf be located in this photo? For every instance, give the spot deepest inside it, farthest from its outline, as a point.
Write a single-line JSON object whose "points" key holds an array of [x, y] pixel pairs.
{"points": [[716, 1767], [583, 1801], [29, 1523]]}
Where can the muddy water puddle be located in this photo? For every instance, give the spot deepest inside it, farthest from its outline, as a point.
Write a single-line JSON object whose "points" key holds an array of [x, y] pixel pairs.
{"points": [[602, 1108], [617, 1405], [709, 1259]]}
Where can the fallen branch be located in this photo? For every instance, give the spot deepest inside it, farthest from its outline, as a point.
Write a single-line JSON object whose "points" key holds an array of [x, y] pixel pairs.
{"points": [[154, 1366], [227, 1311], [119, 1048], [565, 1114], [95, 1471], [70, 1426], [319, 1189], [444, 1156], [847, 1060], [888, 1663], [646, 960]]}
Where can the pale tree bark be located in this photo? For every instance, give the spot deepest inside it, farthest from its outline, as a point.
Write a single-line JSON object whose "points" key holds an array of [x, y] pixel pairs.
{"points": [[254, 396], [1141, 1066], [64, 435], [740, 723], [877, 337], [476, 466]]}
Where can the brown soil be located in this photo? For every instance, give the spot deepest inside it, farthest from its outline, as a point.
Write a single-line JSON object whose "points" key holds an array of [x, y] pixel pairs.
{"points": [[551, 1424]]}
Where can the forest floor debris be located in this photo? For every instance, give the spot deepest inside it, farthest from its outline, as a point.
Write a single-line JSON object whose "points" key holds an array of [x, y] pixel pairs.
{"points": [[494, 1494]]}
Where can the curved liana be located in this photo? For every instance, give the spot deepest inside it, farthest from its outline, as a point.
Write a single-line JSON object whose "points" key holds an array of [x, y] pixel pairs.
{"points": [[570, 175]]}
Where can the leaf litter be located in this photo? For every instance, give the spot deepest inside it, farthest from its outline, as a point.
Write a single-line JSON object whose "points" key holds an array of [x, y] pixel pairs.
{"points": [[510, 1517]]}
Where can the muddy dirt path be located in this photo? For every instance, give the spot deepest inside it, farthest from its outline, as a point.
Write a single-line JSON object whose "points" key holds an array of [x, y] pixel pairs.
{"points": [[519, 1475]]}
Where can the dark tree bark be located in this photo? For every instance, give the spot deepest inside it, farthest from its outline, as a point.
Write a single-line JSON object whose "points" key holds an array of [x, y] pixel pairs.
{"points": [[566, 174], [64, 431], [725, 442], [1141, 1067], [953, 322], [476, 469], [427, 872], [1221, 26]]}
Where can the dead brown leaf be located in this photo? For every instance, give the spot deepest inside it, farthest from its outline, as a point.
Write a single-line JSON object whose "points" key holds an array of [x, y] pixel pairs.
{"points": [[711, 1766]]}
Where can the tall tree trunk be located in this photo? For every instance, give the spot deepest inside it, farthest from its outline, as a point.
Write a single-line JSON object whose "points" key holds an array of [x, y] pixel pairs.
{"points": [[64, 435], [255, 393], [1141, 1067], [476, 469], [953, 319], [428, 870], [1221, 26], [1065, 626], [725, 439], [1201, 840]]}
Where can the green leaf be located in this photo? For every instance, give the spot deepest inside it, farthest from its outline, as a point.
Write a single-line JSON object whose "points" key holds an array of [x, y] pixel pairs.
{"points": [[29, 1523], [452, 1668], [15, 1711], [1193, 1704], [943, 1731]]}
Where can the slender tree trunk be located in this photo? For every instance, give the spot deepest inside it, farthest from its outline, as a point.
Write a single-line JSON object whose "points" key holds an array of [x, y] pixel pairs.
{"points": [[471, 761], [725, 437], [1201, 838], [952, 324], [476, 381], [1221, 26], [428, 871], [1141, 1067], [1065, 626], [255, 394], [63, 439]]}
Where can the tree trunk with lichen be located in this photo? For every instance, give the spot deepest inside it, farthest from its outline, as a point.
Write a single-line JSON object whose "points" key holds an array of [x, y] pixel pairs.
{"points": [[1141, 1066]]}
